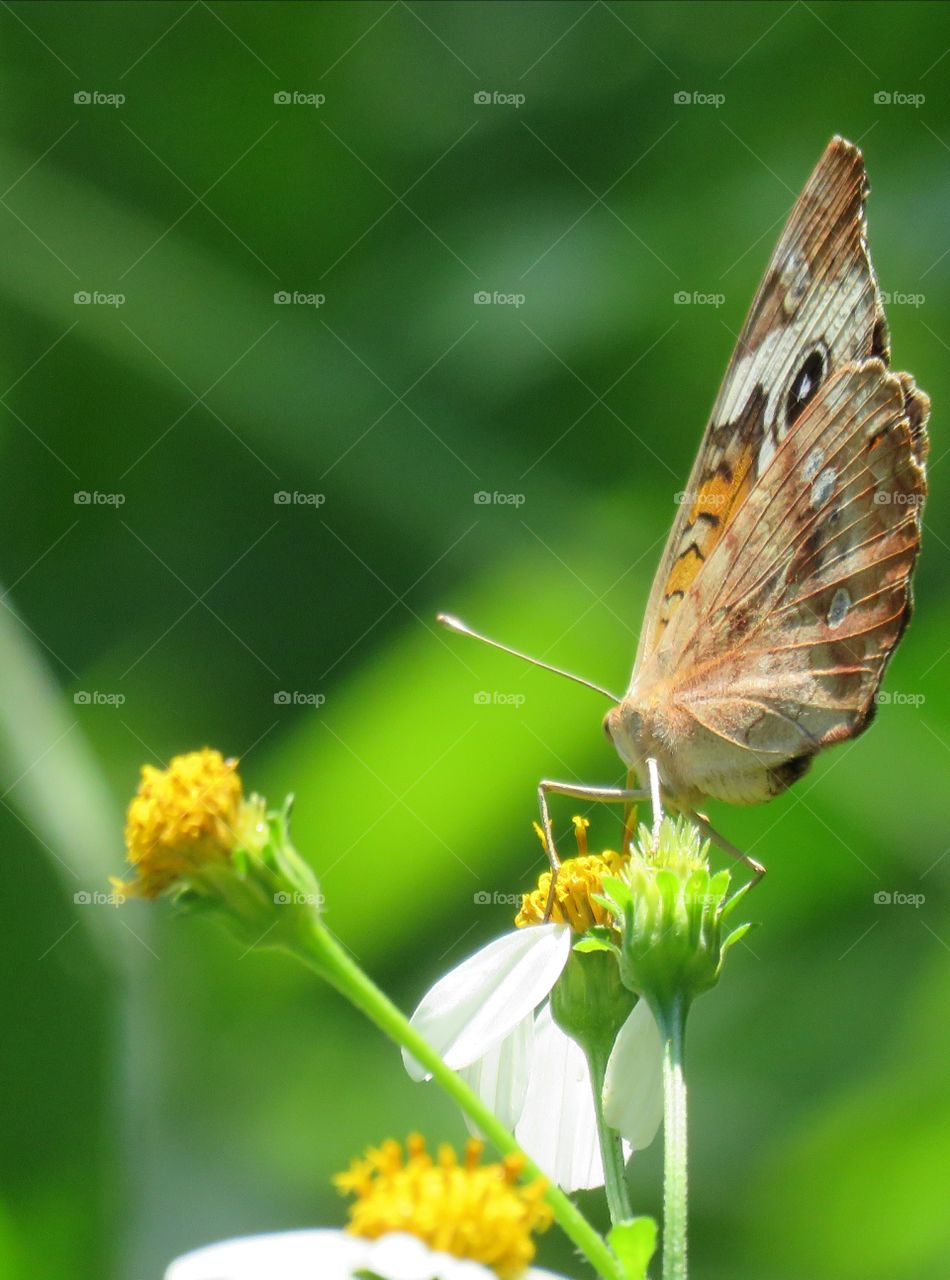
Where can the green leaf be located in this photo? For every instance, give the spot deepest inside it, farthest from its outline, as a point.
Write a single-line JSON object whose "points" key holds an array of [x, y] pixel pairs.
{"points": [[735, 937], [634, 1243]]}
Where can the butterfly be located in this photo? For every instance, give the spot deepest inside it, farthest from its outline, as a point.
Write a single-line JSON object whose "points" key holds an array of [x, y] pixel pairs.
{"points": [[785, 584]]}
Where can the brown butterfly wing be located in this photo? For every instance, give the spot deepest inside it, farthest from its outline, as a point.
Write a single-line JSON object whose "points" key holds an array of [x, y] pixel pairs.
{"points": [[817, 309], [781, 644]]}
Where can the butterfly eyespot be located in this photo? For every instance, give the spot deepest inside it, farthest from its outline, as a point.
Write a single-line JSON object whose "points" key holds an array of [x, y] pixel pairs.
{"points": [[804, 385]]}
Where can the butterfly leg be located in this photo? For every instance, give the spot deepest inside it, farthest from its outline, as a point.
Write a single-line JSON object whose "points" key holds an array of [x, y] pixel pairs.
{"points": [[710, 832], [656, 802], [576, 791]]}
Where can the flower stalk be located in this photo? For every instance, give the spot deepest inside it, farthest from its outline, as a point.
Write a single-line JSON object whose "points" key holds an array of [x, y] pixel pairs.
{"points": [[672, 1023], [321, 952]]}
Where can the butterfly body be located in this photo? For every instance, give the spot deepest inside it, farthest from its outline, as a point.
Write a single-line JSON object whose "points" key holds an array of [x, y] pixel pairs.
{"points": [[785, 584]]}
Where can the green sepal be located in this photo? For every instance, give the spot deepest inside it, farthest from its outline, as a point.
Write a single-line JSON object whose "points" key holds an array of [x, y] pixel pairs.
{"points": [[598, 938], [634, 1243]]}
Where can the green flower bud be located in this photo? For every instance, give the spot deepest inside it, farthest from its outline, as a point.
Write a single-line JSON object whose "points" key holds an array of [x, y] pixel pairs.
{"points": [[589, 1002], [672, 913]]}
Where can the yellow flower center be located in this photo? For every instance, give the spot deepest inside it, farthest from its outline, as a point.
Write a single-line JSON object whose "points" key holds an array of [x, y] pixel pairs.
{"points": [[180, 819], [577, 881], [463, 1208]]}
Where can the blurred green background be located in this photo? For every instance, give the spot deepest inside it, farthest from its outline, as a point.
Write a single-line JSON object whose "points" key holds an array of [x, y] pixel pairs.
{"points": [[160, 1089]]}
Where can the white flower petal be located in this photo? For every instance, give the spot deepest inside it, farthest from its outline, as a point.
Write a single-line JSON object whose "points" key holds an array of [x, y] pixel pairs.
{"points": [[480, 1002], [500, 1078], [557, 1126], [291, 1255], [328, 1255], [403, 1257], [633, 1088]]}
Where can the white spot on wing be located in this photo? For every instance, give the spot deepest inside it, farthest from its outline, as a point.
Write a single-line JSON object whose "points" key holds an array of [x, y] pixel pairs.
{"points": [[813, 464], [821, 489], [840, 604], [795, 279]]}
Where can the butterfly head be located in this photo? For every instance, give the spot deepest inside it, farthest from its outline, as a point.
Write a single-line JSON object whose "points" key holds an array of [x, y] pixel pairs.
{"points": [[624, 727]]}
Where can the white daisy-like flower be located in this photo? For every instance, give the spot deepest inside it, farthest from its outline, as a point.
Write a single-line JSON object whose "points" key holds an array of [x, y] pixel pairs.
{"points": [[330, 1255], [414, 1216], [490, 1020]]}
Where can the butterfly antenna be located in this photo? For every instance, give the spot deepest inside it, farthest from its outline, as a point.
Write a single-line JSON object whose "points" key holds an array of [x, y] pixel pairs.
{"points": [[452, 623]]}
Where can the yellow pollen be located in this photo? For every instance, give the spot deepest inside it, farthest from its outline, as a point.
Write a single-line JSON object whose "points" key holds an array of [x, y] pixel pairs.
{"points": [[461, 1207], [578, 880], [180, 819]]}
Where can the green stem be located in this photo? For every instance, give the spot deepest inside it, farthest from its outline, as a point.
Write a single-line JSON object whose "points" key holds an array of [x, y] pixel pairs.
{"points": [[672, 1023], [320, 950], [611, 1145]]}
